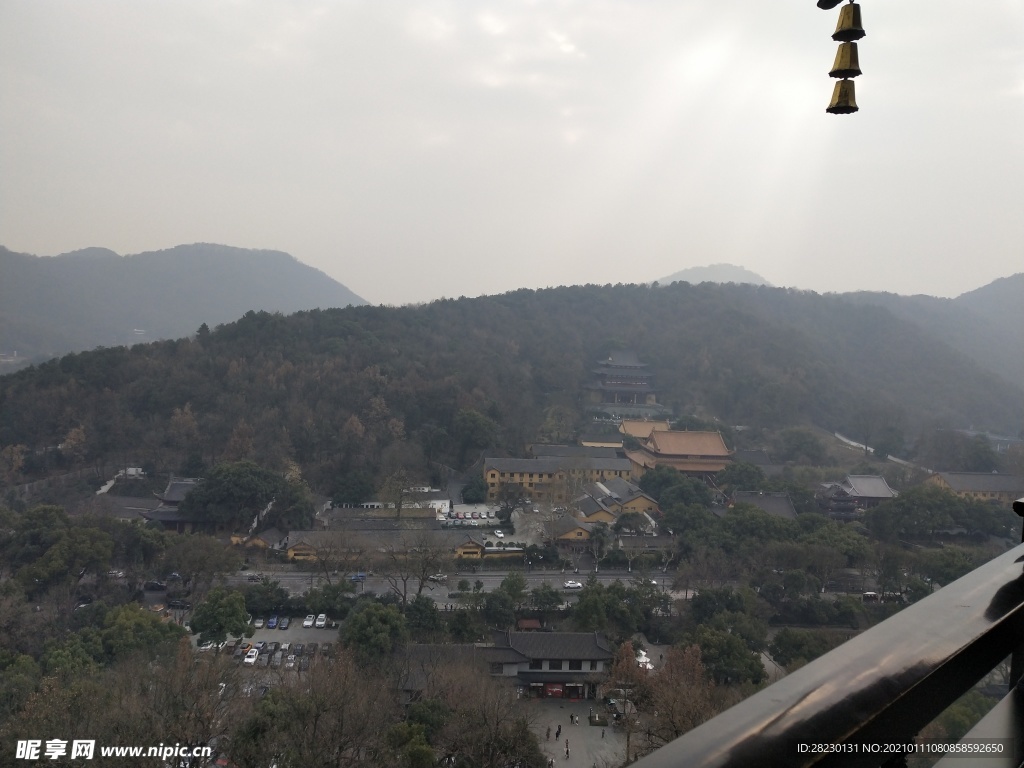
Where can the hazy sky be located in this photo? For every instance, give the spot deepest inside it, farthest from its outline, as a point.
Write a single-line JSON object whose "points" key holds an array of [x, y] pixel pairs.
{"points": [[414, 150]]}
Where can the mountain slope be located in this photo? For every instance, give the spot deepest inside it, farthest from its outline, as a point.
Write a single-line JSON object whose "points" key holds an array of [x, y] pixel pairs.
{"points": [[986, 325], [349, 389], [94, 297]]}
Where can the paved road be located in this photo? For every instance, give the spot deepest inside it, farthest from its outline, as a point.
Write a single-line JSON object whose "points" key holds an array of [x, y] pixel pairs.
{"points": [[297, 583]]}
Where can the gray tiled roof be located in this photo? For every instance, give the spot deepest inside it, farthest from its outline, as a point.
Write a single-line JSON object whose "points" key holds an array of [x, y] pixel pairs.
{"points": [[777, 504], [171, 514], [541, 450], [556, 645], [178, 488], [624, 357], [551, 465], [563, 525], [868, 487]]}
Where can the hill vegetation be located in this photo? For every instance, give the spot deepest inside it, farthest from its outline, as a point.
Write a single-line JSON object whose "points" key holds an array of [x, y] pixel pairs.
{"points": [[361, 391], [986, 325]]}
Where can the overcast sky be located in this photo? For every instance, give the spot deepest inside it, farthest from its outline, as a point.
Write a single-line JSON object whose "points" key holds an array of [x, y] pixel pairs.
{"points": [[414, 150]]}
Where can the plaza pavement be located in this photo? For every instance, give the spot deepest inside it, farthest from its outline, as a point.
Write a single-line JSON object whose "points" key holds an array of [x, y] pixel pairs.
{"points": [[586, 747]]}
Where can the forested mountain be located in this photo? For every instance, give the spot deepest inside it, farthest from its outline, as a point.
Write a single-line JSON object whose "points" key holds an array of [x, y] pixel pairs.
{"points": [[371, 388], [94, 297], [986, 325]]}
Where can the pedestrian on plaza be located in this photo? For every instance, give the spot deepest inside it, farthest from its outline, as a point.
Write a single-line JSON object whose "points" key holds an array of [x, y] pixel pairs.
{"points": [[602, 733], [549, 733], [558, 733]]}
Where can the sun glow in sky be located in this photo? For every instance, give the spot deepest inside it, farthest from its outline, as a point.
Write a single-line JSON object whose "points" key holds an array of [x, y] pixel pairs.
{"points": [[444, 148]]}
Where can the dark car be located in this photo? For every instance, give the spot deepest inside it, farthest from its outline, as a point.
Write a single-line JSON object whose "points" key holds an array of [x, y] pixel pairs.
{"points": [[283, 623], [311, 649], [154, 586], [239, 654], [298, 649], [253, 577], [272, 622], [181, 605], [303, 663], [326, 650]]}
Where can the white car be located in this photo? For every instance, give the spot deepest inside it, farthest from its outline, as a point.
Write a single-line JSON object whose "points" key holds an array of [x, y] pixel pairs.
{"points": [[258, 623], [321, 621], [572, 585], [309, 621], [250, 657], [499, 534]]}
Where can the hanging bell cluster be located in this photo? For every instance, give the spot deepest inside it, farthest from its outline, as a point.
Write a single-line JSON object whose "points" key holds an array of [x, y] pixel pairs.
{"points": [[849, 30]]}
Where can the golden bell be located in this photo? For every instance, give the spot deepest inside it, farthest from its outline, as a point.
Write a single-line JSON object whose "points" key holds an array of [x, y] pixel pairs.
{"points": [[844, 100], [849, 27], [847, 63]]}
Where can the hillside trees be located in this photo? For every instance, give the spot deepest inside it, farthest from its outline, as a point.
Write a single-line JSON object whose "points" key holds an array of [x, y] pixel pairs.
{"points": [[273, 388], [235, 493]]}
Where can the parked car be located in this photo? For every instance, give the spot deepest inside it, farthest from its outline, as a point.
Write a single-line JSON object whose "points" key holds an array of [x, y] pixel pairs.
{"points": [[275, 660], [298, 648], [181, 605], [303, 663], [309, 621], [326, 650], [499, 534], [251, 656], [207, 646], [272, 647], [290, 662], [258, 624], [572, 585], [272, 622], [283, 624], [154, 586], [286, 647], [321, 621], [490, 513]]}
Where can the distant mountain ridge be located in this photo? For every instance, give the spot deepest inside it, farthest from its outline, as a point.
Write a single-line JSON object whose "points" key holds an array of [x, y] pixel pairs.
{"points": [[715, 273], [95, 297]]}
